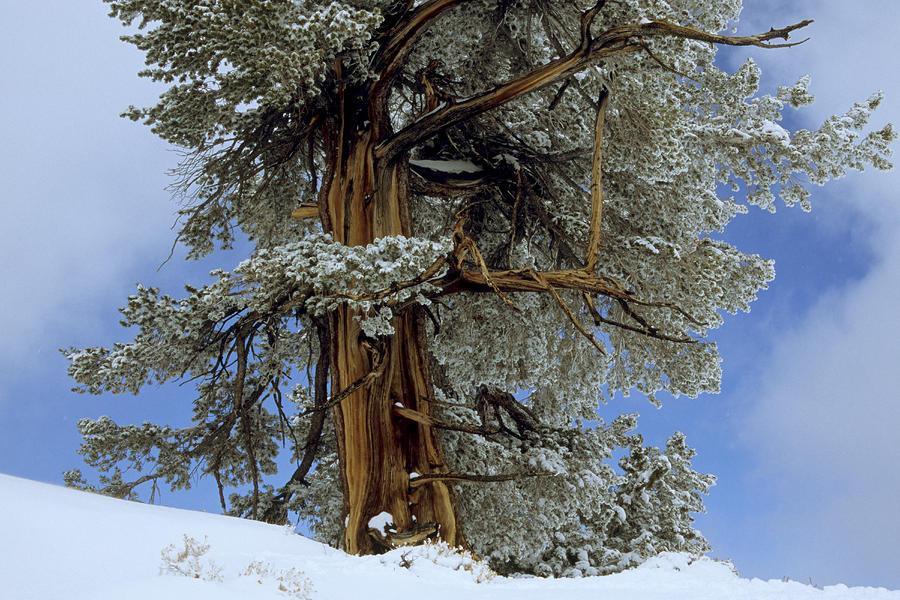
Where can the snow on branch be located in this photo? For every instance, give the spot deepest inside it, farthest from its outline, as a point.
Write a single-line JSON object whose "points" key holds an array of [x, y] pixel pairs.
{"points": [[623, 39]]}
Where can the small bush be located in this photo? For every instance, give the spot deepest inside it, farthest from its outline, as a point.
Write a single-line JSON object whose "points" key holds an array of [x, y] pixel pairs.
{"points": [[290, 581], [191, 562], [443, 555]]}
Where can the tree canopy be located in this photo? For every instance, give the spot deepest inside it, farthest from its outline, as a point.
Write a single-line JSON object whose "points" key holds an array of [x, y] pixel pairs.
{"points": [[472, 221]]}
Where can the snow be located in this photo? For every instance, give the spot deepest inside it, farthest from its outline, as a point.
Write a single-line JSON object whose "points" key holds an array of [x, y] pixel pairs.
{"points": [[775, 133], [381, 520], [447, 166], [61, 543]]}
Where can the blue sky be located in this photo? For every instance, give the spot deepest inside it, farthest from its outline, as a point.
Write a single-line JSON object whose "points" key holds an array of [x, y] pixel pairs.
{"points": [[803, 436]]}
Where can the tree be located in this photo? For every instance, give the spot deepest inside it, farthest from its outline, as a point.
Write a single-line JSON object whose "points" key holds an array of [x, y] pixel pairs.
{"points": [[472, 221]]}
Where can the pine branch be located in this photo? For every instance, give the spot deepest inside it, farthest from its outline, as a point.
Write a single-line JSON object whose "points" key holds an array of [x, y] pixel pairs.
{"points": [[593, 248], [276, 512], [400, 39], [617, 40]]}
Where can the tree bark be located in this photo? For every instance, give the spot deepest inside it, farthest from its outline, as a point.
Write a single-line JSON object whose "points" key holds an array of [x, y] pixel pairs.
{"points": [[378, 450]]}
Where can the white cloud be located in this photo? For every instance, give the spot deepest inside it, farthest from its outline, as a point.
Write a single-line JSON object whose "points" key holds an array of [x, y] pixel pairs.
{"points": [[83, 190], [825, 424], [825, 409]]}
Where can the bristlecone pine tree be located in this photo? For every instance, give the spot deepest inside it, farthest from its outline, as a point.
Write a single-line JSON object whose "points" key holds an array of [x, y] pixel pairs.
{"points": [[472, 221]]}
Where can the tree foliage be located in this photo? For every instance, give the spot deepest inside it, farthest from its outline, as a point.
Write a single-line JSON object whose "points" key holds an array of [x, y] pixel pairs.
{"points": [[521, 193]]}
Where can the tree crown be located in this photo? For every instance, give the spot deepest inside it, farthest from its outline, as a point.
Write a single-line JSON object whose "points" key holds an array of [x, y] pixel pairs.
{"points": [[560, 172]]}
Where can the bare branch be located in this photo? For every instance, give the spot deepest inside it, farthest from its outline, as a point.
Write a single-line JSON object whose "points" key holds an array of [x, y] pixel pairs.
{"points": [[464, 245], [305, 211], [376, 372], [521, 280], [420, 480], [428, 420], [399, 285], [401, 37], [588, 335], [662, 28], [649, 332], [587, 19], [399, 43], [277, 513]]}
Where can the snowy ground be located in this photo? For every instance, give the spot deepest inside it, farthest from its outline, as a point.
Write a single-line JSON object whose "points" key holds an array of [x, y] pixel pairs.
{"points": [[58, 543]]}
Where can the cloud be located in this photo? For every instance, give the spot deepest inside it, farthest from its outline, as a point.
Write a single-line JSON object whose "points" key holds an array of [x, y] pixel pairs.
{"points": [[825, 403], [825, 425], [83, 189]]}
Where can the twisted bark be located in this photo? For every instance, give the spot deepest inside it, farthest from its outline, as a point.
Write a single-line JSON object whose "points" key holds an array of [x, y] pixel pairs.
{"points": [[365, 200]]}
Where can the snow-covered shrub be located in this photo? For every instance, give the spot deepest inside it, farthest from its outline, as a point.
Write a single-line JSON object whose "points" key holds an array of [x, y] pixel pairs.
{"points": [[441, 554], [189, 561], [291, 582]]}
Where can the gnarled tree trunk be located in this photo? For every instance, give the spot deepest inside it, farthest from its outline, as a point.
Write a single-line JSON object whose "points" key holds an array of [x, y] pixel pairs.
{"points": [[362, 201]]}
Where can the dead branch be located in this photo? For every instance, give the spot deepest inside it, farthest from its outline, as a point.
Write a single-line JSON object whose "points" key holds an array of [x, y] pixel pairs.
{"points": [[593, 248], [663, 28], [397, 286], [521, 280], [562, 303], [413, 536], [398, 43], [305, 211], [430, 421], [498, 400], [598, 319], [277, 511], [464, 245], [420, 480], [377, 370], [400, 39]]}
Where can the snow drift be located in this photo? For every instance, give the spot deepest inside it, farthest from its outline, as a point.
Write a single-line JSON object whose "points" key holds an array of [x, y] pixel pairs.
{"points": [[60, 543]]}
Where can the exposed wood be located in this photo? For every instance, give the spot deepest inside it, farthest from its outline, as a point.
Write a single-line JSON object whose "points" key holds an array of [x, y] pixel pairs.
{"points": [[522, 280], [424, 419], [425, 479], [419, 533], [305, 211]]}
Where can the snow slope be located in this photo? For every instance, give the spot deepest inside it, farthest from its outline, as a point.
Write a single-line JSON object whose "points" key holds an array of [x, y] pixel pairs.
{"points": [[59, 543]]}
